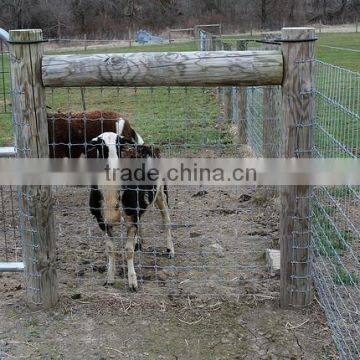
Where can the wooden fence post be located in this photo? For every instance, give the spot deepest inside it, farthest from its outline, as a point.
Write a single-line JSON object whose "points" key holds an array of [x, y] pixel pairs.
{"points": [[298, 117], [209, 38], [29, 113], [85, 42], [241, 45], [218, 46], [197, 30], [227, 94]]}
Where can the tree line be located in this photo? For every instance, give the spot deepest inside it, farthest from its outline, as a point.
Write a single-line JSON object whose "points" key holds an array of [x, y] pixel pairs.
{"points": [[121, 18]]}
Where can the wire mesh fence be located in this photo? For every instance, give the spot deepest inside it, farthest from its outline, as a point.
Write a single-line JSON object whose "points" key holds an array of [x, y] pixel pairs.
{"points": [[335, 227], [10, 247], [219, 235], [6, 135]]}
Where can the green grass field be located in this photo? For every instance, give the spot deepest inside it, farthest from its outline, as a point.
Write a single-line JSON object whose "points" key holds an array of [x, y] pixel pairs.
{"points": [[181, 115], [347, 59], [174, 116]]}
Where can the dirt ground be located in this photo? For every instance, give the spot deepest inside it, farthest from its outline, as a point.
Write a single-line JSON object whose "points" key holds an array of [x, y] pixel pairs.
{"points": [[215, 300]]}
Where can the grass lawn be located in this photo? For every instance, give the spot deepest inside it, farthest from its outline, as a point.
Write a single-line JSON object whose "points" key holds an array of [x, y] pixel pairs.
{"points": [[184, 46], [347, 59]]}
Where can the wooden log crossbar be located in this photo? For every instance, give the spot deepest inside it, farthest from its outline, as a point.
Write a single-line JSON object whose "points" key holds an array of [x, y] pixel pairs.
{"points": [[211, 68]]}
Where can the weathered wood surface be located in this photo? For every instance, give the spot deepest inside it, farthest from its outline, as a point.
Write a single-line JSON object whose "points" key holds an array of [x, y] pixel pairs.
{"points": [[298, 116], [242, 103], [227, 94], [31, 131], [228, 104], [211, 68]]}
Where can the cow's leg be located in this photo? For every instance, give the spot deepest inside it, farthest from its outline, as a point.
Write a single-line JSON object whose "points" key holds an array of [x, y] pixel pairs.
{"points": [[96, 208], [129, 249], [165, 214], [139, 238], [111, 270]]}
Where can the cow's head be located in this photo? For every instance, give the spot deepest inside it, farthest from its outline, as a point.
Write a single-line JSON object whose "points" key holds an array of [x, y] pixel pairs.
{"points": [[106, 145]]}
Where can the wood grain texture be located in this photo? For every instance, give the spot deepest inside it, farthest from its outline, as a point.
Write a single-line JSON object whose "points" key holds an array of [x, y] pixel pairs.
{"points": [[242, 102], [164, 69], [298, 116], [227, 94], [31, 132], [218, 46]]}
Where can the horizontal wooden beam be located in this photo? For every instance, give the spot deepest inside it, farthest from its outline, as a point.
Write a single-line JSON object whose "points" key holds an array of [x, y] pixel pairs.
{"points": [[185, 29], [212, 68], [208, 25], [11, 266], [6, 152]]}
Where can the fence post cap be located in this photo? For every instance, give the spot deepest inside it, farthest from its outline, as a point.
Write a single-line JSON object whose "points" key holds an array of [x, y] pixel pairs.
{"points": [[25, 34], [297, 33]]}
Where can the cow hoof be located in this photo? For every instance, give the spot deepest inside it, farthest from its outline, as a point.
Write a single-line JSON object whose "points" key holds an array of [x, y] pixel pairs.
{"points": [[133, 288], [138, 247], [133, 285], [171, 253]]}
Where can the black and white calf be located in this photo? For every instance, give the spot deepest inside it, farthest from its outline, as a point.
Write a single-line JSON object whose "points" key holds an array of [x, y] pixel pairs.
{"points": [[109, 204]]}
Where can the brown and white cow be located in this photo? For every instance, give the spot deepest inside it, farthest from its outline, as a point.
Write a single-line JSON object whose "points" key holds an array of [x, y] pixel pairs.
{"points": [[109, 204]]}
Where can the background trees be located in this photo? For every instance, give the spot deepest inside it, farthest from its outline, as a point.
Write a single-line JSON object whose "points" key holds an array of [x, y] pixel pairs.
{"points": [[116, 18]]}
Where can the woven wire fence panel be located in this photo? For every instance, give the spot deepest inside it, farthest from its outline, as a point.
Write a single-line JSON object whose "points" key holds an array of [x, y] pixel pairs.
{"points": [[263, 120], [6, 138], [336, 225], [254, 118], [10, 248], [219, 235], [10, 245]]}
